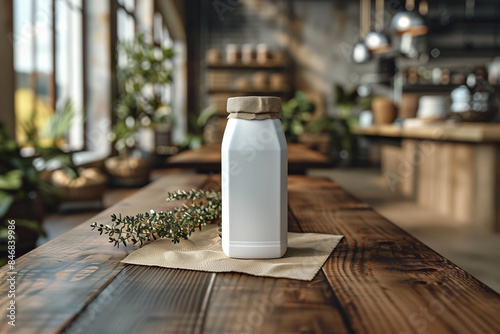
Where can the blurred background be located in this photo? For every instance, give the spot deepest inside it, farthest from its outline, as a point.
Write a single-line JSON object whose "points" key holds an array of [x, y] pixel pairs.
{"points": [[398, 99]]}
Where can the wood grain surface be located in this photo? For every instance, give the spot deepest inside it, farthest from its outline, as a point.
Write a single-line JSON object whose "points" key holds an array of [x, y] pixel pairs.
{"points": [[55, 281], [386, 280], [378, 280]]}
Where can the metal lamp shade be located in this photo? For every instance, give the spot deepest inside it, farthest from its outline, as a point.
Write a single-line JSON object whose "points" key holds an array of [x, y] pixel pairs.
{"points": [[360, 53], [377, 42], [408, 22]]}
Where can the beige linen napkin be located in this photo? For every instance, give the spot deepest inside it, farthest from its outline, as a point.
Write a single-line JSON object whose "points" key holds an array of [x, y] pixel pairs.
{"points": [[306, 253]]}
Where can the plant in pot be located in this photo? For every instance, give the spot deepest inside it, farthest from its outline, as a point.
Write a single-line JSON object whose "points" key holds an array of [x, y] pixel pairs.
{"points": [[345, 102], [340, 139], [22, 191], [56, 164], [342, 143], [144, 73], [195, 138], [296, 113]]}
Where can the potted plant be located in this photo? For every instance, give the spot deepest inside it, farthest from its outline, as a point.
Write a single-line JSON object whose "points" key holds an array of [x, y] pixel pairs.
{"points": [[336, 130], [143, 75], [345, 101], [342, 143], [196, 137], [296, 113], [21, 192], [56, 165]]}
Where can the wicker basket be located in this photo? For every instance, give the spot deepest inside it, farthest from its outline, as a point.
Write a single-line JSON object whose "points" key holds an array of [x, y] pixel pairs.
{"points": [[90, 185], [133, 169]]}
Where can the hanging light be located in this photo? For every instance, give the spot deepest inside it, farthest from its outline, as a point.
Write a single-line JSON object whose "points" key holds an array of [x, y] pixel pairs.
{"points": [[376, 41], [409, 22], [360, 53]]}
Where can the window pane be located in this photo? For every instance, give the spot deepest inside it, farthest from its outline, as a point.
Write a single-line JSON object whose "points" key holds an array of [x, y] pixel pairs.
{"points": [[23, 64], [22, 39], [69, 60], [75, 4], [157, 28], [125, 25], [129, 28], [42, 35], [40, 88], [129, 5], [43, 40], [32, 63], [167, 41]]}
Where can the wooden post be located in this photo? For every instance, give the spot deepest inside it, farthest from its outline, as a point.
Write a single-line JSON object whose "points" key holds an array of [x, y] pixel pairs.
{"points": [[7, 84]]}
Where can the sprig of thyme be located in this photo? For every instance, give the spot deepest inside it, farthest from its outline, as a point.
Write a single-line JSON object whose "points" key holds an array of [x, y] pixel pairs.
{"points": [[203, 207]]}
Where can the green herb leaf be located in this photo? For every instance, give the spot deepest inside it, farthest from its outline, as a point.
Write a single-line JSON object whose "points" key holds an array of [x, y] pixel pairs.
{"points": [[201, 208]]}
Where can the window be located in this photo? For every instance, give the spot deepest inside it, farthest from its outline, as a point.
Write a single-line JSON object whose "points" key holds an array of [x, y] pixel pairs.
{"points": [[125, 17], [51, 39], [49, 63], [162, 37], [142, 17]]}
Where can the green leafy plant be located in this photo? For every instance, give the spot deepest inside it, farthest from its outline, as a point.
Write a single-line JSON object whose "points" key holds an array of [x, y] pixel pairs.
{"points": [[143, 75], [19, 177], [21, 186], [47, 143], [344, 97], [346, 101], [197, 122], [60, 122], [203, 207], [296, 113], [341, 138]]}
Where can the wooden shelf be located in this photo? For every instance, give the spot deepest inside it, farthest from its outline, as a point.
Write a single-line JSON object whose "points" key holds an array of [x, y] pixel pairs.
{"points": [[436, 88], [429, 88], [247, 91], [241, 66]]}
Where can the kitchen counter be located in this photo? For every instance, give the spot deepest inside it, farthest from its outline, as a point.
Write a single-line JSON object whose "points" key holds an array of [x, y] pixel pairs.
{"points": [[452, 169], [464, 132]]}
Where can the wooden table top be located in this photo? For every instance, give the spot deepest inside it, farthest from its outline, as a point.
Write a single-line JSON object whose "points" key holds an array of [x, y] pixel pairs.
{"points": [[379, 279], [208, 158], [464, 132]]}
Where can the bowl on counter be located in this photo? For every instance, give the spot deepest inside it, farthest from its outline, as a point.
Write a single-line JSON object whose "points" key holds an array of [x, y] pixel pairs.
{"points": [[432, 107]]}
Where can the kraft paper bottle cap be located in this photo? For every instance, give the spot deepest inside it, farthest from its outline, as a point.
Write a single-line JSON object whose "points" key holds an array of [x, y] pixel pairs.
{"points": [[254, 107]]}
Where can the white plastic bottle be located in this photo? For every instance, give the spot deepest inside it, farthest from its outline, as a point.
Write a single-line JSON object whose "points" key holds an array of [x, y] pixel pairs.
{"points": [[254, 179]]}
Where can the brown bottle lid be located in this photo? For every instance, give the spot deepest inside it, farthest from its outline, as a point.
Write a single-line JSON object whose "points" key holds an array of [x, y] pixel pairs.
{"points": [[254, 107]]}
